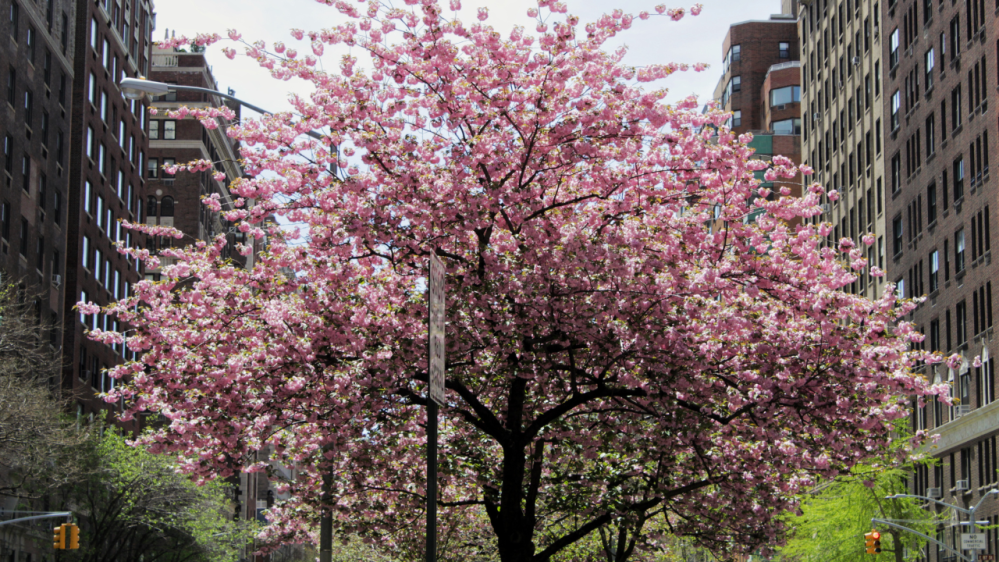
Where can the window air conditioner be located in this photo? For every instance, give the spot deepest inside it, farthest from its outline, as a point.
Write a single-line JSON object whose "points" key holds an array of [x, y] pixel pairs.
{"points": [[815, 116], [961, 410], [56, 281], [233, 230], [825, 207], [962, 485], [933, 493], [856, 61]]}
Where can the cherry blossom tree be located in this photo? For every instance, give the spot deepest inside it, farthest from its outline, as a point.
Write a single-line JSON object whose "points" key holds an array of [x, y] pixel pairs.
{"points": [[623, 344]]}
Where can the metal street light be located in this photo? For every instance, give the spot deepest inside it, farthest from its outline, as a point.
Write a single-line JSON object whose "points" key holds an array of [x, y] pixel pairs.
{"points": [[138, 88], [970, 512]]}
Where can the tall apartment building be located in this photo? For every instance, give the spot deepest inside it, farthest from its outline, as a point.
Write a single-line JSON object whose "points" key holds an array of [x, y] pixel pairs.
{"points": [[36, 54], [108, 147], [940, 76], [841, 66], [176, 200]]}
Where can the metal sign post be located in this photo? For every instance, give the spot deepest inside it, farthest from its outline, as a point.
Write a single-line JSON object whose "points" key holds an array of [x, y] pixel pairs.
{"points": [[435, 366]]}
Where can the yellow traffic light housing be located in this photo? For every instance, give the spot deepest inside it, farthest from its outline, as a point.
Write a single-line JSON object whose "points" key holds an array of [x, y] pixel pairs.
{"points": [[74, 537], [59, 537], [873, 542]]}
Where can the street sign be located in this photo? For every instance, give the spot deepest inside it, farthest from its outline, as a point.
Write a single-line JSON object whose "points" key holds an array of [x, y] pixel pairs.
{"points": [[973, 541], [436, 290]]}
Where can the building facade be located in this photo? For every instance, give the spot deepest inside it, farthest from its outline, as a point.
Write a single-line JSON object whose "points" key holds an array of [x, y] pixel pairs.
{"points": [[36, 53], [940, 71], [108, 149], [761, 86], [749, 51], [841, 97], [175, 200]]}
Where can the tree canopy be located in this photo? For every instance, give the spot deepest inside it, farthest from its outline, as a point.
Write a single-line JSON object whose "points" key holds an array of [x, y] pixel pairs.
{"points": [[626, 350]]}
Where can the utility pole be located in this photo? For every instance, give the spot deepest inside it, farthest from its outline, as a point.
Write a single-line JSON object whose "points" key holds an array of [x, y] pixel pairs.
{"points": [[965, 538]]}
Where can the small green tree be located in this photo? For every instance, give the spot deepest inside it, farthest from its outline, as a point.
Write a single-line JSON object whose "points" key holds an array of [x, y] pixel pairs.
{"points": [[836, 515], [134, 506]]}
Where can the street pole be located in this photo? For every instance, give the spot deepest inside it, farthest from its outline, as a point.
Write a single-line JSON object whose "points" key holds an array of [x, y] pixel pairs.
{"points": [[326, 516], [972, 519], [431, 481]]}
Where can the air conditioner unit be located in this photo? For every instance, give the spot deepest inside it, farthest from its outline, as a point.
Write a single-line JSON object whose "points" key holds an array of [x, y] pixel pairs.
{"points": [[961, 485], [933, 493], [233, 230], [56, 281], [781, 106], [815, 116], [856, 61], [961, 410], [826, 207]]}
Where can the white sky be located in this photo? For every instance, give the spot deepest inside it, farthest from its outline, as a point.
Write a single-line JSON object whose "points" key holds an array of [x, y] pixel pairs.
{"points": [[656, 40]]}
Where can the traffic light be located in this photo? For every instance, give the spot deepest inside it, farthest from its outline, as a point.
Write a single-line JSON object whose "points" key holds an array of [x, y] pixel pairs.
{"points": [[74, 537], [59, 537], [873, 542]]}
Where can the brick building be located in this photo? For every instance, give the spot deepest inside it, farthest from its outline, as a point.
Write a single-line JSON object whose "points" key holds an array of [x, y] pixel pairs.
{"points": [[940, 72], [176, 200], [841, 66], [36, 53], [760, 85], [108, 146], [749, 50]]}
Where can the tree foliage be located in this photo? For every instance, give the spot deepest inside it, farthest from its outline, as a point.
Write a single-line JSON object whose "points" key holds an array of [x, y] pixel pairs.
{"points": [[37, 441], [622, 343], [836, 515], [135, 507]]}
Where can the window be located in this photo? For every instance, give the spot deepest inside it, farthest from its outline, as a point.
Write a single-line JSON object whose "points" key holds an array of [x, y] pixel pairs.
{"points": [[786, 127], [154, 168], [893, 49], [931, 135], [14, 19], [92, 90], [931, 203], [736, 83], [784, 50], [5, 221], [959, 251], [23, 246], [896, 229], [8, 154], [934, 270], [29, 107], [11, 86], [93, 34], [958, 179], [88, 194], [961, 312], [29, 42], [151, 208], [90, 143], [154, 129], [955, 108], [896, 172], [788, 94], [166, 207], [169, 130], [896, 104]]}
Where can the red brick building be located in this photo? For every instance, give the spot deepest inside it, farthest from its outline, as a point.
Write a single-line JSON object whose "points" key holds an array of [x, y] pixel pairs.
{"points": [[107, 156], [175, 200], [939, 107], [36, 65], [749, 50]]}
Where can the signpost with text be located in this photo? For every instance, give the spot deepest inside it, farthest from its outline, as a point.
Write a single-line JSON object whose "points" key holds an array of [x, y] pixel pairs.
{"points": [[435, 371]]}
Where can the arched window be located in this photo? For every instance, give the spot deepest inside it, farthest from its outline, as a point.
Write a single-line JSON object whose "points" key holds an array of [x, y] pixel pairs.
{"points": [[166, 207], [151, 207]]}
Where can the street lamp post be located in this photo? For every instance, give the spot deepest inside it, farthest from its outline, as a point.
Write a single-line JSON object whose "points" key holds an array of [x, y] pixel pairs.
{"points": [[136, 89], [970, 512]]}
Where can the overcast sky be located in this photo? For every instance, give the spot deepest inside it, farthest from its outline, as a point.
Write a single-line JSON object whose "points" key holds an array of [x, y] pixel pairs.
{"points": [[657, 40]]}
